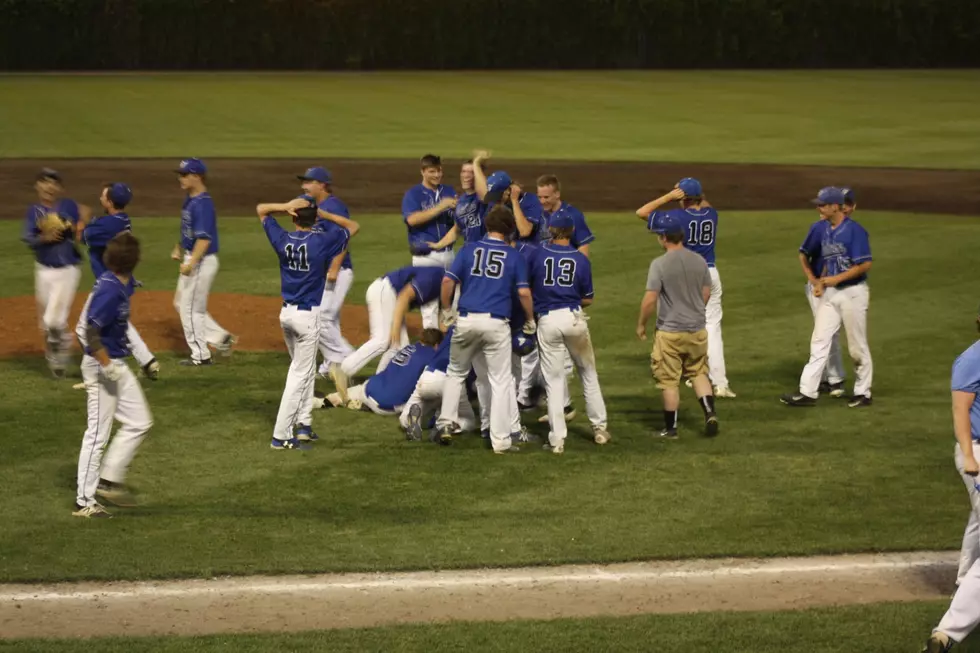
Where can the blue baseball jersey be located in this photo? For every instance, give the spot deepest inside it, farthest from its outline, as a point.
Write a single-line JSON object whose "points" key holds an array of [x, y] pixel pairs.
{"points": [[333, 205], [440, 362], [304, 257], [108, 312], [966, 378], [419, 198], [469, 215], [489, 272], [560, 276], [812, 246], [843, 247], [700, 229], [53, 255], [396, 383], [198, 219], [531, 206], [426, 280], [581, 235], [97, 235]]}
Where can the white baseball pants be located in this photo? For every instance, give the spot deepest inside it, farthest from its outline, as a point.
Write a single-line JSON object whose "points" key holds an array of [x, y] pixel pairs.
{"points": [[54, 291], [301, 331], [381, 299], [834, 371], [478, 333], [122, 400], [716, 345], [428, 395], [847, 306], [333, 346], [430, 311], [557, 331], [964, 611], [191, 302], [359, 393], [140, 351], [529, 376]]}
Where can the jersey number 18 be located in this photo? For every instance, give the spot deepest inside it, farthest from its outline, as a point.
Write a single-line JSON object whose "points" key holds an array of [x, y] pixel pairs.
{"points": [[700, 233]]}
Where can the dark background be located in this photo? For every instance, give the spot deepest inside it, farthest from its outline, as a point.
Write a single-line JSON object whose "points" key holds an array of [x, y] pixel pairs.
{"points": [[486, 34]]}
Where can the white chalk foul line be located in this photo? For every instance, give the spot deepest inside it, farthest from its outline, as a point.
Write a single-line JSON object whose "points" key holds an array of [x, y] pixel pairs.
{"points": [[476, 579]]}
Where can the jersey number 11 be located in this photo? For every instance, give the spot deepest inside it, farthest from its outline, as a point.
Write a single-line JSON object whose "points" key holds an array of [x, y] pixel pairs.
{"points": [[296, 257]]}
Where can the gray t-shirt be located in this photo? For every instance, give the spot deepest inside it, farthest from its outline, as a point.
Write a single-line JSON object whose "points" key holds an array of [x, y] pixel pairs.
{"points": [[679, 276]]}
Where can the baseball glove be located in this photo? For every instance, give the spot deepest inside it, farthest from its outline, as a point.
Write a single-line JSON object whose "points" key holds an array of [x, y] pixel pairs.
{"points": [[51, 225], [419, 248]]}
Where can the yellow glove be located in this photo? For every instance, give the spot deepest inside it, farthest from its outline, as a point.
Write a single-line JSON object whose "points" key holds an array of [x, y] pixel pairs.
{"points": [[52, 226]]}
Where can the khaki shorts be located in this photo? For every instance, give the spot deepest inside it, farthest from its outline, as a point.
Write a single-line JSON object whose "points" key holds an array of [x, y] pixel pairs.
{"points": [[678, 355]]}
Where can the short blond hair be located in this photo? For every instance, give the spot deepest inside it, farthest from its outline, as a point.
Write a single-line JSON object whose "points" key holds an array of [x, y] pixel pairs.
{"points": [[549, 180]]}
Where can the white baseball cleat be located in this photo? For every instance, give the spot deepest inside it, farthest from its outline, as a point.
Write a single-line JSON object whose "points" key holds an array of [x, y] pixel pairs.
{"points": [[225, 346], [340, 380], [724, 392], [689, 383], [569, 411], [95, 511], [600, 435]]}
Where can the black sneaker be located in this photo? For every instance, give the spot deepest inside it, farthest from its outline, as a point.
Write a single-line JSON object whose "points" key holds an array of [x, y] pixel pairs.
{"points": [[445, 436], [798, 400], [836, 390], [857, 401], [711, 426], [824, 387], [668, 434]]}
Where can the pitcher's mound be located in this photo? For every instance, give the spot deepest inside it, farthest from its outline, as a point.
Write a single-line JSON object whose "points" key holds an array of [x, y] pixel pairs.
{"points": [[254, 319]]}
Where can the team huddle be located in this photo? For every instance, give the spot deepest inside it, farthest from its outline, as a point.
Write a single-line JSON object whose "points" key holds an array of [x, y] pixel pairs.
{"points": [[504, 317]]}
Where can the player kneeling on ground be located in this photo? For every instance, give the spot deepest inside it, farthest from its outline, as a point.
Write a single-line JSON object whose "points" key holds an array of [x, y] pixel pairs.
{"points": [[561, 284], [304, 256], [387, 392], [113, 391], [678, 287]]}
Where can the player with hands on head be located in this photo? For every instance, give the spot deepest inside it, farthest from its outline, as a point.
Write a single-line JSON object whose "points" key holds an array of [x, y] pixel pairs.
{"points": [[113, 391]]}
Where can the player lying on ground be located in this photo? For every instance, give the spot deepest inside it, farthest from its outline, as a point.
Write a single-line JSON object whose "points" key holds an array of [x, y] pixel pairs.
{"points": [[113, 391], [304, 256]]}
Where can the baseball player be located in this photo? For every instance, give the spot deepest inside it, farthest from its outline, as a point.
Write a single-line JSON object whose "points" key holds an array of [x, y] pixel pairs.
{"points": [[678, 288], [389, 299], [490, 272], [333, 214], [426, 399], [97, 234], [388, 391], [427, 212], [113, 391], [700, 221], [198, 253], [304, 256], [963, 615], [499, 188], [468, 214], [51, 226], [561, 284], [549, 195], [832, 378], [846, 254]]}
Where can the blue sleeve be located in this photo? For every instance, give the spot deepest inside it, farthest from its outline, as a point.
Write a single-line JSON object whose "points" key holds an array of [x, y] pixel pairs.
{"points": [[104, 307], [70, 208], [520, 270], [335, 206], [860, 246], [966, 374], [582, 234], [98, 232], [532, 209], [811, 244], [410, 204], [583, 272], [458, 269], [275, 233], [31, 235], [427, 285], [447, 191], [204, 220]]}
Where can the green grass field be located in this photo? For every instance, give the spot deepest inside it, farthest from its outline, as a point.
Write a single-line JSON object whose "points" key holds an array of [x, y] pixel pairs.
{"points": [[889, 118], [884, 628], [777, 481]]}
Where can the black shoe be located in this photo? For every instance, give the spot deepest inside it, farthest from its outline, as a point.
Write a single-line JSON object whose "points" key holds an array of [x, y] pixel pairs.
{"points": [[857, 401], [190, 362], [711, 426], [824, 387], [118, 494], [836, 390], [668, 434], [445, 436], [798, 400], [524, 407], [152, 370]]}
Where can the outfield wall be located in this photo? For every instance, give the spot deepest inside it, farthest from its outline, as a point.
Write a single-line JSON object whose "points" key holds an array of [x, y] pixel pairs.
{"points": [[489, 34]]}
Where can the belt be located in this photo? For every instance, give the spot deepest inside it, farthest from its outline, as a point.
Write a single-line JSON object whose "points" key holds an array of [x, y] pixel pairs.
{"points": [[560, 308], [300, 307], [493, 315]]}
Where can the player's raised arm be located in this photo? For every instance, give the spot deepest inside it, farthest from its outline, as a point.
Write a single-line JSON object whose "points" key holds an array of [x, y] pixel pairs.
{"points": [[644, 211], [480, 158], [524, 226]]}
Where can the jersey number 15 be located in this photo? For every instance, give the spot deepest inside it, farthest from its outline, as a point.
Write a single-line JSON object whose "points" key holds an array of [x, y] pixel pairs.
{"points": [[488, 263]]}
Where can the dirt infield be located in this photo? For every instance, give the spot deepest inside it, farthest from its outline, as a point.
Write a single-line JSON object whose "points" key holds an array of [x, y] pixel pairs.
{"points": [[293, 603], [377, 185], [253, 319]]}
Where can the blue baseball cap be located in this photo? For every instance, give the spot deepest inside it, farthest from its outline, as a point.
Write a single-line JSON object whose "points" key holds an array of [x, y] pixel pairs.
{"points": [[522, 344], [690, 186], [316, 173], [829, 195], [120, 194], [665, 223], [497, 183], [561, 219], [191, 167], [848, 195]]}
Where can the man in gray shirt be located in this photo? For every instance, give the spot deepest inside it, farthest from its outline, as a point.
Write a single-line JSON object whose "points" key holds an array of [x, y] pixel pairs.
{"points": [[678, 286]]}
